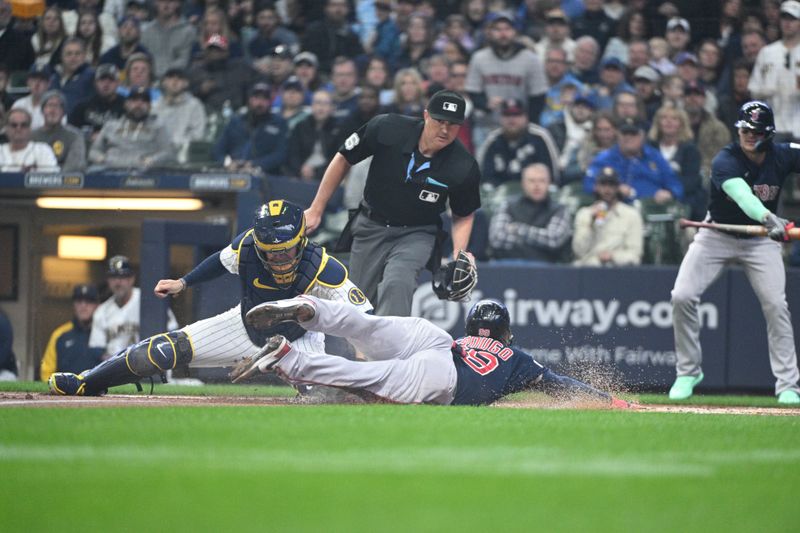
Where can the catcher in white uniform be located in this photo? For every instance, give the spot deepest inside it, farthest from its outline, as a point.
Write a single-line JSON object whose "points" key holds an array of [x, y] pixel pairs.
{"points": [[274, 260]]}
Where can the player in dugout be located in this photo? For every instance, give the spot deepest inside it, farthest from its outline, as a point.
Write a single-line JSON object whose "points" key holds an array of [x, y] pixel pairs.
{"points": [[410, 359], [273, 259]]}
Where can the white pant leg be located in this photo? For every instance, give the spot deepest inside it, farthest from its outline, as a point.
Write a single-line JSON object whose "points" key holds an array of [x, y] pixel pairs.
{"points": [[707, 255], [222, 340], [427, 377], [378, 337]]}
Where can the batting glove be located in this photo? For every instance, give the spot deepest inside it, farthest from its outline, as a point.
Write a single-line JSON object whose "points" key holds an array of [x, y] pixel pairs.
{"points": [[777, 227]]}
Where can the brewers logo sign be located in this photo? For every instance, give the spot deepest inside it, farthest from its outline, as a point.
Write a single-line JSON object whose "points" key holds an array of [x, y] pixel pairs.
{"points": [[356, 297]]}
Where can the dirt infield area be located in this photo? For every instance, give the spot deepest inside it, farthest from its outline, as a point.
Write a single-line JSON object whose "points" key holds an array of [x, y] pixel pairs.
{"points": [[31, 399]]}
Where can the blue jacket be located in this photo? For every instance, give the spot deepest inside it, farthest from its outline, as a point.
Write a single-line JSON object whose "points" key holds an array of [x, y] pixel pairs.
{"points": [[263, 145], [553, 107], [646, 174], [76, 89]]}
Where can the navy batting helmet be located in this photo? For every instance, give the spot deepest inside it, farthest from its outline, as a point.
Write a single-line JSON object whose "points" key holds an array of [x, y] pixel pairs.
{"points": [[279, 232], [489, 318], [757, 116]]}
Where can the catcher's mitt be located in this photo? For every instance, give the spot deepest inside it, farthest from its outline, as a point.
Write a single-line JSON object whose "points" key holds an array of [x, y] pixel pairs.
{"points": [[456, 280]]}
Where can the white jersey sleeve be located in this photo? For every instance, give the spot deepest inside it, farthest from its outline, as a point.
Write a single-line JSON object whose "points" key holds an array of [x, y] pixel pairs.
{"points": [[229, 259], [346, 292]]}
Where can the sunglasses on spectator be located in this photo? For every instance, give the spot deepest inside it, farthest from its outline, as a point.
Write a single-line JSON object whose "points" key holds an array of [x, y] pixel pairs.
{"points": [[19, 125]]}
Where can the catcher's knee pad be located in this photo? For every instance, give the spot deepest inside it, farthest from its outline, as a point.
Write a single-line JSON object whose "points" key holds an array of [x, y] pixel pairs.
{"points": [[159, 353]]}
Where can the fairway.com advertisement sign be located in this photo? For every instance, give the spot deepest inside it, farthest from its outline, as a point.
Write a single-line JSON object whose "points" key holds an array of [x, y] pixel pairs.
{"points": [[614, 322]]}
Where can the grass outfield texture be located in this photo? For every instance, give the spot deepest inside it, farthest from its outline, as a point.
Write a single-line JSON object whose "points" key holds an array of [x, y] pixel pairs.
{"points": [[394, 468]]}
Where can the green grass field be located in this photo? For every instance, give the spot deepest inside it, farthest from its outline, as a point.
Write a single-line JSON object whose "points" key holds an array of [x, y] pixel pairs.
{"points": [[394, 468]]}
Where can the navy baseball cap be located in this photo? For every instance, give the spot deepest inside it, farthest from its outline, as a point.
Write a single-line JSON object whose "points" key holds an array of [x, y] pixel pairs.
{"points": [[447, 105], [495, 16], [607, 175], [612, 62], [583, 99], [293, 82], [139, 93], [119, 266], [631, 125], [512, 108], [86, 293], [39, 71]]}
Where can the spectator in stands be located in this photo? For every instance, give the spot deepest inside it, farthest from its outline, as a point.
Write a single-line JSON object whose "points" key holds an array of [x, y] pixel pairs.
{"points": [[594, 22], [215, 22], [418, 45], [66, 141], [630, 27], [603, 137], [729, 34], [97, 42], [678, 36], [135, 140], [6, 99], [689, 72], [570, 134], [270, 32], [49, 37], [642, 169], [776, 75], [16, 51], [139, 73], [638, 56], [293, 98], [736, 97], [608, 232], [646, 81], [532, 225], [377, 76], [305, 68], [515, 145], [344, 79], [315, 140], [277, 67], [454, 30], [68, 348], [628, 105], [711, 134], [139, 9], [556, 67], [20, 153], [409, 94], [218, 78], [612, 83], [255, 141], [8, 361], [556, 35], [368, 107], [73, 76], [672, 90], [168, 37], [584, 67], [38, 81], [752, 43], [129, 44], [712, 67], [105, 105], [659, 56], [672, 135], [503, 70], [332, 37], [385, 41], [178, 112], [105, 20], [456, 79], [435, 71]]}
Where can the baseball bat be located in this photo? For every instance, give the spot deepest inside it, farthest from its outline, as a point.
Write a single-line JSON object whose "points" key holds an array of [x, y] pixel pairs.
{"points": [[746, 229]]}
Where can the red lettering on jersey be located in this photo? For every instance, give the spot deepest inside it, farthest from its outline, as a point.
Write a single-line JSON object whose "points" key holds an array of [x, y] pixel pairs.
{"points": [[505, 353], [481, 362]]}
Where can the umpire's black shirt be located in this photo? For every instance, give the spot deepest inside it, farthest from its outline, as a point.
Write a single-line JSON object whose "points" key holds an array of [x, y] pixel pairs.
{"points": [[403, 186]]}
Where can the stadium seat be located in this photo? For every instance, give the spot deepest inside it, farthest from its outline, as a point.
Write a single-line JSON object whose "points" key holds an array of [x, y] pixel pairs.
{"points": [[662, 235]]}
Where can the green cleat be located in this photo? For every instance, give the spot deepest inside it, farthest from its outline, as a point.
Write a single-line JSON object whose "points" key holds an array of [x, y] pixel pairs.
{"points": [[683, 387], [789, 397]]}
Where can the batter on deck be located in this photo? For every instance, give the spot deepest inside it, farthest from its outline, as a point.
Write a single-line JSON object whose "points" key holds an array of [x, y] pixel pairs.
{"points": [[746, 181]]}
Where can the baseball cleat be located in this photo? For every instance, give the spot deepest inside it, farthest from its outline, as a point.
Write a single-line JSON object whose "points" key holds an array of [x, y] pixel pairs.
{"points": [[263, 360], [270, 313], [789, 397], [684, 386], [66, 384]]}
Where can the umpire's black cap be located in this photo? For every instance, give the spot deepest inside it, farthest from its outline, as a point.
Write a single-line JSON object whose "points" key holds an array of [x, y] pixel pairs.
{"points": [[447, 105], [86, 293], [119, 266]]}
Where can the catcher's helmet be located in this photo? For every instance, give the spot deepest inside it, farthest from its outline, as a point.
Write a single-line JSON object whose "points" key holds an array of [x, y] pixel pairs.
{"points": [[279, 233], [757, 116], [489, 318]]}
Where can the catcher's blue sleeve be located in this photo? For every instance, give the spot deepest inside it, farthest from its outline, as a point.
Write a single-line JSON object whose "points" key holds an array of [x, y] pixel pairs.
{"points": [[209, 269]]}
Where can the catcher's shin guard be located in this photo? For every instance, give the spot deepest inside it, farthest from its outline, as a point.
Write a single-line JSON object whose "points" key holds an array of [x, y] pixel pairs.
{"points": [[151, 356]]}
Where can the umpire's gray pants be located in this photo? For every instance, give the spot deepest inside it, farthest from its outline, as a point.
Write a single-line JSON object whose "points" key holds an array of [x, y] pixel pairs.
{"points": [[761, 259], [386, 261]]}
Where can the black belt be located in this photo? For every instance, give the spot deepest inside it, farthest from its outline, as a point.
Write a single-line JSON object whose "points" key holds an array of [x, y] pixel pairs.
{"points": [[382, 220]]}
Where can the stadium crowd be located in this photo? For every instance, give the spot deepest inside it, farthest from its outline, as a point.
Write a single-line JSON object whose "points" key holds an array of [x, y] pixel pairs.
{"points": [[578, 97]]}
